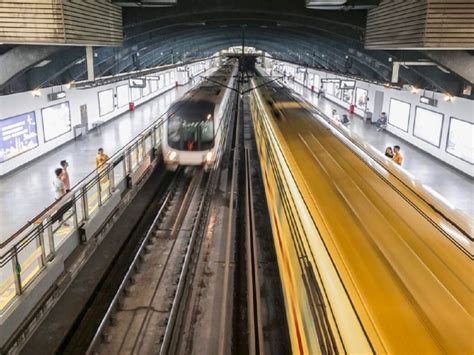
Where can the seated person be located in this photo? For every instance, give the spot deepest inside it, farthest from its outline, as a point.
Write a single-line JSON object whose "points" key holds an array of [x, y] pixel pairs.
{"points": [[382, 121]]}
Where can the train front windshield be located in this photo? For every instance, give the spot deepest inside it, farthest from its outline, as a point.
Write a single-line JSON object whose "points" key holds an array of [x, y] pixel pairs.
{"points": [[191, 127]]}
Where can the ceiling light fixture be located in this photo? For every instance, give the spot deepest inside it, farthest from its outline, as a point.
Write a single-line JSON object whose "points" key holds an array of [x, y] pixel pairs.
{"points": [[36, 92]]}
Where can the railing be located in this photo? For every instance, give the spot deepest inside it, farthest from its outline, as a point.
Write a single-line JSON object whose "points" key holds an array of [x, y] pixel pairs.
{"points": [[40, 239]]}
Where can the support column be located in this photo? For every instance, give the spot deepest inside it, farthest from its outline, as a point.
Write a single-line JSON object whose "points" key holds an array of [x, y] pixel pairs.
{"points": [[90, 63]]}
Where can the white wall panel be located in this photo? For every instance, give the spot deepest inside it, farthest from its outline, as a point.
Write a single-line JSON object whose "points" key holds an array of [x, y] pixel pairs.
{"points": [[460, 108]]}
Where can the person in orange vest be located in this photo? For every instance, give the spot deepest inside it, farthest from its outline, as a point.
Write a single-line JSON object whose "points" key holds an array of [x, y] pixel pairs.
{"points": [[101, 158], [397, 155], [100, 162]]}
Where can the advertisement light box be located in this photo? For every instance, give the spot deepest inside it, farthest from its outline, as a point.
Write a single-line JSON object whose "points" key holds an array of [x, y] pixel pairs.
{"points": [[17, 135], [56, 121]]}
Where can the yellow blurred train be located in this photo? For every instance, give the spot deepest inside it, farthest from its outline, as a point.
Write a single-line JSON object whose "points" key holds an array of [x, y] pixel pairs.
{"points": [[365, 266]]}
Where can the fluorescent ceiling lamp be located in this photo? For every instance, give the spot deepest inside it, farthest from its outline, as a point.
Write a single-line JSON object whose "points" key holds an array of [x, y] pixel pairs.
{"points": [[42, 63], [325, 2]]}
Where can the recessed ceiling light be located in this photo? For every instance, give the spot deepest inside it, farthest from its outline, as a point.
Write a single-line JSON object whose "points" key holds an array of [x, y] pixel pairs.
{"points": [[42, 63]]}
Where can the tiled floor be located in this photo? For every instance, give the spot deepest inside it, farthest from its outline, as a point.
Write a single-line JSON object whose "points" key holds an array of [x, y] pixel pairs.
{"points": [[25, 193], [454, 186]]}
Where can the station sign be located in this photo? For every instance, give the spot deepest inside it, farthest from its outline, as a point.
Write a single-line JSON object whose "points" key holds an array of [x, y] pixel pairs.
{"points": [[137, 83], [330, 80], [56, 96], [428, 101]]}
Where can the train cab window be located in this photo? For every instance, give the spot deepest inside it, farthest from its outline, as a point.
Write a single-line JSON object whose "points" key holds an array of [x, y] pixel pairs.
{"points": [[191, 127]]}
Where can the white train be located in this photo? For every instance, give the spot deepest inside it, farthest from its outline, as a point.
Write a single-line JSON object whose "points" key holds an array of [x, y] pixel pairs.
{"points": [[193, 131]]}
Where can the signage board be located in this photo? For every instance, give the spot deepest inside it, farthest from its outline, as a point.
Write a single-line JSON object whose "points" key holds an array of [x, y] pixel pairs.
{"points": [[137, 83], [56, 121], [17, 135], [428, 101]]}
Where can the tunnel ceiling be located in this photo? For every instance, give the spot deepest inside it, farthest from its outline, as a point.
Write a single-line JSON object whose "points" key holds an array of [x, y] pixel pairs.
{"points": [[329, 40]]}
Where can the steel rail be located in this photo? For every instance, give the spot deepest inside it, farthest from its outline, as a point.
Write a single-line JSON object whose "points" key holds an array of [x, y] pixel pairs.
{"points": [[127, 277], [254, 310], [183, 210], [170, 339]]}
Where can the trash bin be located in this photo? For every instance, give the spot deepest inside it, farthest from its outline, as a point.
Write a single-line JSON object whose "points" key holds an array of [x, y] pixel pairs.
{"points": [[351, 108], [368, 116], [79, 131], [131, 106]]}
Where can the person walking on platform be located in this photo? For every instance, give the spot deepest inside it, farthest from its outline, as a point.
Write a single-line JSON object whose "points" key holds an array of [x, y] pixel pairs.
{"points": [[382, 122], [397, 155], [65, 176], [389, 152]]}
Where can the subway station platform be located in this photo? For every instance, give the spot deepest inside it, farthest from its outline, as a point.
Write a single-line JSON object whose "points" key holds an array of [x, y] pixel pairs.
{"points": [[29, 190], [455, 187]]}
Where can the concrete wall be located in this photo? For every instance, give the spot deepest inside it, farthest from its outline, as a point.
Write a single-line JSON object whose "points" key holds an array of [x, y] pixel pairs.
{"points": [[16, 104], [459, 108]]}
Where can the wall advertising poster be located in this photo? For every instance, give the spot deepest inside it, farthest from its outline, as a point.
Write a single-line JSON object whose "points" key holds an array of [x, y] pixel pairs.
{"points": [[17, 135], [56, 121]]}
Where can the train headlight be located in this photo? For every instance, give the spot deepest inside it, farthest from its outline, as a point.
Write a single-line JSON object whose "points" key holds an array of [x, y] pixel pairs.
{"points": [[172, 155], [209, 156]]}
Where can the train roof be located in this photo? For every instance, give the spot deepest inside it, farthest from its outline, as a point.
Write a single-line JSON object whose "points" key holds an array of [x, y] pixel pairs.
{"points": [[213, 88]]}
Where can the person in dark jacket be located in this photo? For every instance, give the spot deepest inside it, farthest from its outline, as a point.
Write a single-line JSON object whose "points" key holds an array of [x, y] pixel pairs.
{"points": [[389, 152]]}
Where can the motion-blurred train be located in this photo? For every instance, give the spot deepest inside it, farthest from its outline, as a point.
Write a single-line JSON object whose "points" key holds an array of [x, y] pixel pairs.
{"points": [[193, 131]]}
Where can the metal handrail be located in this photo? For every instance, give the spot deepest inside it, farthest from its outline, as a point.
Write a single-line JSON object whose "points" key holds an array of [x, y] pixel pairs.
{"points": [[101, 181], [156, 124]]}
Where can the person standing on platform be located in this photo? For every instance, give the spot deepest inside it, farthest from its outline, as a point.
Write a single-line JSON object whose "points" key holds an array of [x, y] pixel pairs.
{"points": [[321, 91], [101, 158], [397, 155], [59, 191], [389, 152], [65, 176], [100, 162], [58, 184]]}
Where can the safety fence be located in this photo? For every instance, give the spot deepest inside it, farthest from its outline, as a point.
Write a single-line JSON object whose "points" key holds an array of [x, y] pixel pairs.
{"points": [[39, 241], [28, 252]]}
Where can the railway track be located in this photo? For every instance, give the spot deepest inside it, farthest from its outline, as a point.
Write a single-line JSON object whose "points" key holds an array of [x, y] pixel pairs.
{"points": [[144, 311], [254, 306]]}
